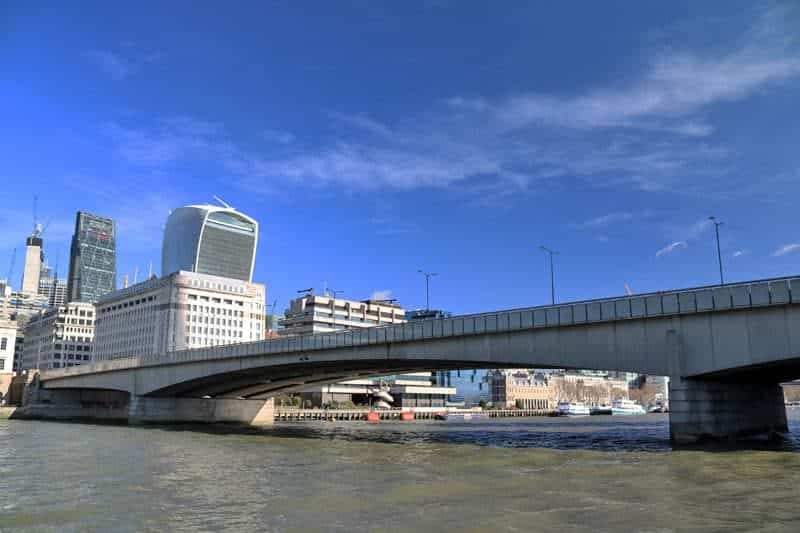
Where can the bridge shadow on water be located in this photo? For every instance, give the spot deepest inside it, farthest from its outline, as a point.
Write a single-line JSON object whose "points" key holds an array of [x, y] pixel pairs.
{"points": [[648, 433]]}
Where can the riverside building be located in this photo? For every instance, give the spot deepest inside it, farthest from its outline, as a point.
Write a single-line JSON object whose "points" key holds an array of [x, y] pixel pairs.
{"points": [[8, 339], [208, 239], [59, 337], [92, 259], [182, 310], [324, 314]]}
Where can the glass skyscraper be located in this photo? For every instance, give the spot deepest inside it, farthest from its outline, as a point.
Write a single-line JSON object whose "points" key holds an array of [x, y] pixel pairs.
{"points": [[207, 239], [92, 258]]}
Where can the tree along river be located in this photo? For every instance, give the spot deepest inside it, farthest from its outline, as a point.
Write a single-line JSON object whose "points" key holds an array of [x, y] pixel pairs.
{"points": [[536, 474]]}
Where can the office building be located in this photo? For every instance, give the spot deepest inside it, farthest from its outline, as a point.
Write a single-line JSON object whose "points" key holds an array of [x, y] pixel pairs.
{"points": [[522, 389], [312, 314], [52, 288], [471, 386], [207, 239], [324, 314], [93, 258], [180, 311], [8, 340], [59, 337], [33, 262]]}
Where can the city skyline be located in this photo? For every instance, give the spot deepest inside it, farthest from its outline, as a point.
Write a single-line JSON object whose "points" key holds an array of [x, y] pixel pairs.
{"points": [[380, 161]]}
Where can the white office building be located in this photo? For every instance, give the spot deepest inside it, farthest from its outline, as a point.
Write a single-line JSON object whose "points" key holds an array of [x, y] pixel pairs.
{"points": [[59, 337], [180, 311], [8, 339], [324, 314]]}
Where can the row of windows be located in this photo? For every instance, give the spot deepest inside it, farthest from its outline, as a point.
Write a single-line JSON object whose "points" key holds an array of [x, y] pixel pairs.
{"points": [[217, 286], [79, 312], [129, 304], [216, 320], [215, 331], [215, 311], [73, 347]]}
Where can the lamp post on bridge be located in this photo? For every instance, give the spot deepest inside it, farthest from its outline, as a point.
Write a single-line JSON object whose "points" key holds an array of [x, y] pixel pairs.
{"points": [[717, 224], [552, 274], [428, 276]]}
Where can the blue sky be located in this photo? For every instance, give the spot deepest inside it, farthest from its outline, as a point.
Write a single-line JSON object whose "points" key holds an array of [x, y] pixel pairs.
{"points": [[372, 139]]}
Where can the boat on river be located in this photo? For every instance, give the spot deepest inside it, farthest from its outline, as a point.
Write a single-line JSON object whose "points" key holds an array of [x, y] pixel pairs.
{"points": [[626, 407], [601, 410], [572, 409]]}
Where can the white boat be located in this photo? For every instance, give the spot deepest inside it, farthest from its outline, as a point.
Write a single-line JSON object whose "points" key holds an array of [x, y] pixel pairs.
{"points": [[626, 407], [572, 409]]}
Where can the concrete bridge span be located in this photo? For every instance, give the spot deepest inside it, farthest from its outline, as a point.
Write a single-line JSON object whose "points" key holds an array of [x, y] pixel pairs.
{"points": [[726, 349]]}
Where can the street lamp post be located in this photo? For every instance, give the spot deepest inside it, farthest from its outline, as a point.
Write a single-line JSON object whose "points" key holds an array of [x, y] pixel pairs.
{"points": [[428, 276], [552, 274], [717, 224]]}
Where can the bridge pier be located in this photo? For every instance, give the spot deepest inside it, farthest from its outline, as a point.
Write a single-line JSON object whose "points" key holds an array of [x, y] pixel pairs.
{"points": [[709, 410], [143, 409]]}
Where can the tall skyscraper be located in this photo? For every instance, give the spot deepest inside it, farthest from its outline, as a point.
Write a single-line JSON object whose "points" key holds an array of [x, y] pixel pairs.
{"points": [[33, 262], [207, 239], [92, 259]]}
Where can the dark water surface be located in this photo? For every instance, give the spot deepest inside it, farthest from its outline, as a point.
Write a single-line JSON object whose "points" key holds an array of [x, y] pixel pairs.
{"points": [[535, 474]]}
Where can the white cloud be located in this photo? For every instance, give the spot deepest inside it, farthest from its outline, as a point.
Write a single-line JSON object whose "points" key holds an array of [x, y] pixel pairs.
{"points": [[278, 136], [739, 253], [786, 249], [678, 245], [119, 66], [655, 136], [113, 64], [605, 220], [385, 294]]}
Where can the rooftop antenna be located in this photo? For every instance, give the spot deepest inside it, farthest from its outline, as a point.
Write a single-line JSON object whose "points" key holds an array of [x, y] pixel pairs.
{"points": [[135, 274], [223, 202], [150, 270], [628, 290]]}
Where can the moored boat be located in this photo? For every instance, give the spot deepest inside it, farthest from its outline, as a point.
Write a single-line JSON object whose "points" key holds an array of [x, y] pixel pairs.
{"points": [[626, 407], [600, 410], [572, 409]]}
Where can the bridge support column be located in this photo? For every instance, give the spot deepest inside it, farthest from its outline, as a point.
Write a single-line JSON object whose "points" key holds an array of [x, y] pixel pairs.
{"points": [[144, 409], [706, 410]]}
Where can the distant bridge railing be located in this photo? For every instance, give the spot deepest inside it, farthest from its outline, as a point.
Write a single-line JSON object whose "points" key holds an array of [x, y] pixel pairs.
{"points": [[761, 293]]}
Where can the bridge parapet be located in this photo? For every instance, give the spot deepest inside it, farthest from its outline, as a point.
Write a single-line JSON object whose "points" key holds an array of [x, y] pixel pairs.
{"points": [[715, 298]]}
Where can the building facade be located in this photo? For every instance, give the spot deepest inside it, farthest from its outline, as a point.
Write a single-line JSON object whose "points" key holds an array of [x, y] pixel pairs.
{"points": [[52, 288], [59, 337], [324, 314], [522, 389], [207, 239], [33, 263], [8, 341], [180, 311], [471, 386], [93, 258]]}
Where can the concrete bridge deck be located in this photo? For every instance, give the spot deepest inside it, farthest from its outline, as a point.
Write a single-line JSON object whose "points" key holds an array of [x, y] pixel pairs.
{"points": [[710, 340]]}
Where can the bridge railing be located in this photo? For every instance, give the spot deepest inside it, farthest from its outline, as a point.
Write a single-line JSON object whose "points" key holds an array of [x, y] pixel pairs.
{"points": [[777, 291]]}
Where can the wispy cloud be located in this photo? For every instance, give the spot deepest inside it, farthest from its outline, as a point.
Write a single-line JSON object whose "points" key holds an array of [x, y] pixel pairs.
{"points": [[113, 64], [739, 253], [119, 65], [655, 134], [278, 136], [786, 249], [678, 245], [384, 294]]}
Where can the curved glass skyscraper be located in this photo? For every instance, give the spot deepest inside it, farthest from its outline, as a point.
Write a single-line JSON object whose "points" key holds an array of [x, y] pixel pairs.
{"points": [[207, 239]]}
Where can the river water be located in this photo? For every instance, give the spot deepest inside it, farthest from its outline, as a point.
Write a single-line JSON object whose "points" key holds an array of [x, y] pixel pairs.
{"points": [[535, 474]]}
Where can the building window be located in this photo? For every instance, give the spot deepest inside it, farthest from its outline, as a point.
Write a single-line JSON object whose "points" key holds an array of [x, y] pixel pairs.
{"points": [[3, 345]]}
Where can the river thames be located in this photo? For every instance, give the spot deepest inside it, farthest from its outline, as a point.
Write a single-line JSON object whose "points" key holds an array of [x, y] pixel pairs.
{"points": [[536, 474]]}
